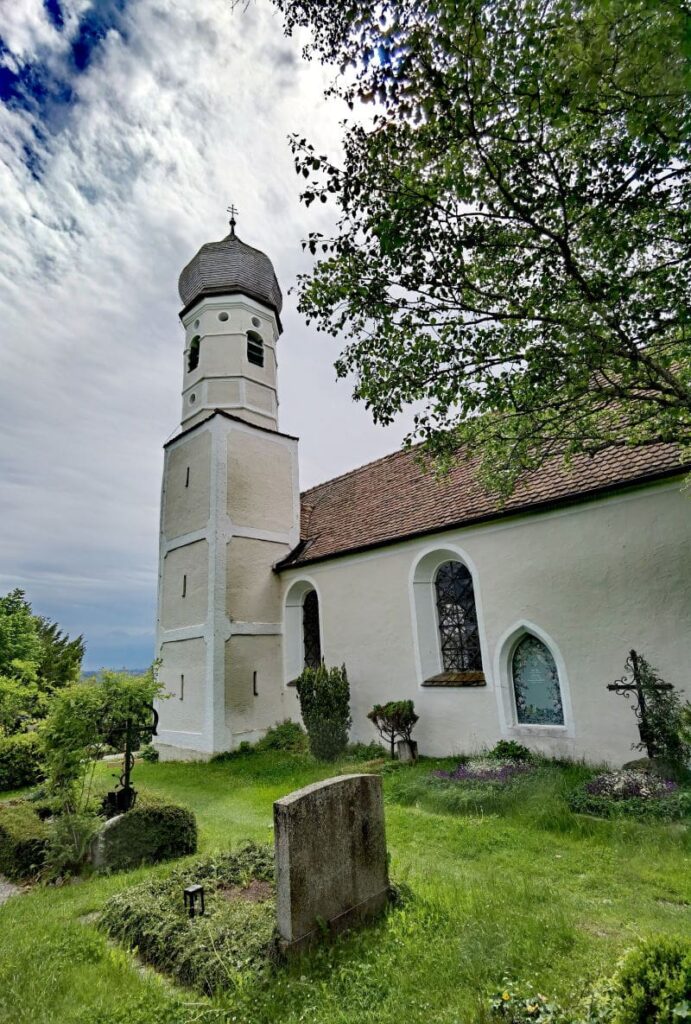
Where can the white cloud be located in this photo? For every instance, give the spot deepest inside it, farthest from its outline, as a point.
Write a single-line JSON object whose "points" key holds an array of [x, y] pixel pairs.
{"points": [[183, 111]]}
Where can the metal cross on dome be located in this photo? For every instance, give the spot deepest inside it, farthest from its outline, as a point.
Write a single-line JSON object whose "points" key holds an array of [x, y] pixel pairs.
{"points": [[232, 210]]}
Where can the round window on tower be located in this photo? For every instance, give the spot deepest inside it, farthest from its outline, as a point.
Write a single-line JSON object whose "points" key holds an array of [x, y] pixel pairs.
{"points": [[196, 323], [256, 322], [223, 316], [193, 398]]}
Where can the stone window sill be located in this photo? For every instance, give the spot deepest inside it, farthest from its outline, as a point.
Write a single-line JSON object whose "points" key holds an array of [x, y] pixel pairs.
{"points": [[292, 682], [457, 679]]}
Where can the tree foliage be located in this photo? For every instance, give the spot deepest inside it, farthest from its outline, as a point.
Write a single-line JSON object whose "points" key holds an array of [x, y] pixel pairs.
{"points": [[513, 242], [33, 649], [82, 720]]}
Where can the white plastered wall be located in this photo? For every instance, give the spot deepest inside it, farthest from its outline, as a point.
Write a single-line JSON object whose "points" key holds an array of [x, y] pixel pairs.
{"points": [[221, 639], [591, 581]]}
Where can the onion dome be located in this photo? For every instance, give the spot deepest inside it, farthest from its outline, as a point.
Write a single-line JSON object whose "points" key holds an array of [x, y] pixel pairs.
{"points": [[229, 267]]}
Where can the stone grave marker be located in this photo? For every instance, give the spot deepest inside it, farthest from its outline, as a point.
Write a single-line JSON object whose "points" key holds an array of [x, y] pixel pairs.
{"points": [[331, 862]]}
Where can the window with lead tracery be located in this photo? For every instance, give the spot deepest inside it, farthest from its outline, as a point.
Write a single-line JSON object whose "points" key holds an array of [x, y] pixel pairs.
{"points": [[459, 636], [310, 630]]}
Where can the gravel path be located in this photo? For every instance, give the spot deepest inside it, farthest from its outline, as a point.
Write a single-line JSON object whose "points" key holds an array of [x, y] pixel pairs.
{"points": [[7, 889]]}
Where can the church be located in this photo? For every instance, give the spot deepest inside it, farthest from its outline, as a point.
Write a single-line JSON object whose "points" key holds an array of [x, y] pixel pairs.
{"points": [[498, 621]]}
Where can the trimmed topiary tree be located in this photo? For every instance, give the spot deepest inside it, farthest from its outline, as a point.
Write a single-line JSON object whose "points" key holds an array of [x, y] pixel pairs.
{"points": [[395, 718], [325, 705]]}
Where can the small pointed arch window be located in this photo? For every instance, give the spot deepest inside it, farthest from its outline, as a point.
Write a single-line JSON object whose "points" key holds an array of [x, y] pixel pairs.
{"points": [[535, 681], [255, 348], [193, 354], [311, 637], [459, 636]]}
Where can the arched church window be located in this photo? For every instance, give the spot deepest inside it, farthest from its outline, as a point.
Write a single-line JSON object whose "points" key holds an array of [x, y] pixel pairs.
{"points": [[310, 630], [536, 684], [193, 354], [255, 348], [458, 631]]}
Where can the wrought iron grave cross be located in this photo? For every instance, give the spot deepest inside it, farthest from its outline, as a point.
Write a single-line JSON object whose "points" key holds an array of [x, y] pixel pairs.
{"points": [[634, 687]]}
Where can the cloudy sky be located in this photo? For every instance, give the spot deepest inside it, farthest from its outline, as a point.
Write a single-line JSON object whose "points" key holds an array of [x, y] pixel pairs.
{"points": [[126, 128]]}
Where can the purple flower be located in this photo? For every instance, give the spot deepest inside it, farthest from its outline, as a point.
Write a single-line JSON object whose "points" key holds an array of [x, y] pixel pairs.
{"points": [[628, 784]]}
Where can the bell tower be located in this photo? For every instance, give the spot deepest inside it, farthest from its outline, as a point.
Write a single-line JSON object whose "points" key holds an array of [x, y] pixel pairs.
{"points": [[231, 315], [230, 507]]}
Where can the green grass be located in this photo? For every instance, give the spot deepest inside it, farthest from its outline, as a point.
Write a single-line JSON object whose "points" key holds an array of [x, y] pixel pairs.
{"points": [[511, 884]]}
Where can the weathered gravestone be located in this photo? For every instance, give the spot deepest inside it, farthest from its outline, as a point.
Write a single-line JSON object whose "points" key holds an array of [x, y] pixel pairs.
{"points": [[331, 860]]}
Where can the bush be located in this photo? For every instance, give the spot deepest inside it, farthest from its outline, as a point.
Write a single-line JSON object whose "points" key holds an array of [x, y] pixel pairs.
{"points": [[148, 833], [233, 941], [23, 840], [509, 750], [396, 718], [21, 704], [21, 761], [284, 735], [69, 842], [650, 985], [325, 705], [149, 753]]}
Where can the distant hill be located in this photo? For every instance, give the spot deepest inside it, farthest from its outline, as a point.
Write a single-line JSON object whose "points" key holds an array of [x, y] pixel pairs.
{"points": [[130, 671]]}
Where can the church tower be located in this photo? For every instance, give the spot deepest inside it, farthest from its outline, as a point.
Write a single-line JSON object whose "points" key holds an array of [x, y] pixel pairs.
{"points": [[230, 508]]}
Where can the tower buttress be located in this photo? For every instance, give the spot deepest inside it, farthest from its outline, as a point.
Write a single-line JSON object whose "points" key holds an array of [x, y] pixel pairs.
{"points": [[230, 509]]}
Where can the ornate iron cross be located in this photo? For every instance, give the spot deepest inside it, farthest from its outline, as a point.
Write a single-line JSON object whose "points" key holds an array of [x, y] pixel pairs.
{"points": [[232, 210], [634, 687]]}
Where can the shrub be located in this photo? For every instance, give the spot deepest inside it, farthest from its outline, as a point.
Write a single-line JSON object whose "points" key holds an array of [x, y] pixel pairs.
{"points": [[235, 938], [396, 718], [148, 833], [69, 842], [325, 705], [509, 750], [284, 735], [149, 753], [21, 704], [84, 719], [650, 985], [21, 760], [23, 840]]}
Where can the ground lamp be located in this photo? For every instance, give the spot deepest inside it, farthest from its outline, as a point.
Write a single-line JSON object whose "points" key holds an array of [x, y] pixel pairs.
{"points": [[194, 894]]}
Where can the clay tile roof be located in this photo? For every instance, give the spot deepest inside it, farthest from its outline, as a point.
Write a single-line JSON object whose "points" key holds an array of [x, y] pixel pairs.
{"points": [[394, 497]]}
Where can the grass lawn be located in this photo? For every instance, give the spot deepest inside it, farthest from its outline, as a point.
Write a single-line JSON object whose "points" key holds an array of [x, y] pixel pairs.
{"points": [[515, 886]]}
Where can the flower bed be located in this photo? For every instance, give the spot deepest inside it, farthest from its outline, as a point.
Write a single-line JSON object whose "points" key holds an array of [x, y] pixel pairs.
{"points": [[632, 792], [486, 769]]}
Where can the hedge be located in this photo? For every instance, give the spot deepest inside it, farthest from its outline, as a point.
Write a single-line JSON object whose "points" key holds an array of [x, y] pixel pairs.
{"points": [[21, 761], [149, 833], [23, 840]]}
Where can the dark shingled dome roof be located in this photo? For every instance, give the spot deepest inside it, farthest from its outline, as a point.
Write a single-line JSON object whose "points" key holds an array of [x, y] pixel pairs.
{"points": [[230, 266]]}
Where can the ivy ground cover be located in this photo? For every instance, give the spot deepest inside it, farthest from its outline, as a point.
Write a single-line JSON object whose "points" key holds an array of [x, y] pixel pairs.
{"points": [[511, 884]]}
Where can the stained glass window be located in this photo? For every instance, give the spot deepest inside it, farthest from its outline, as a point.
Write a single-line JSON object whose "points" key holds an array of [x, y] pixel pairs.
{"points": [[310, 630], [458, 632], [536, 684]]}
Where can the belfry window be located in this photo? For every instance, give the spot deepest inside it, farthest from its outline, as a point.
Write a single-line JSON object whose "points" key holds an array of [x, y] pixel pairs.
{"points": [[459, 636], [536, 684], [255, 348], [311, 638], [193, 354]]}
